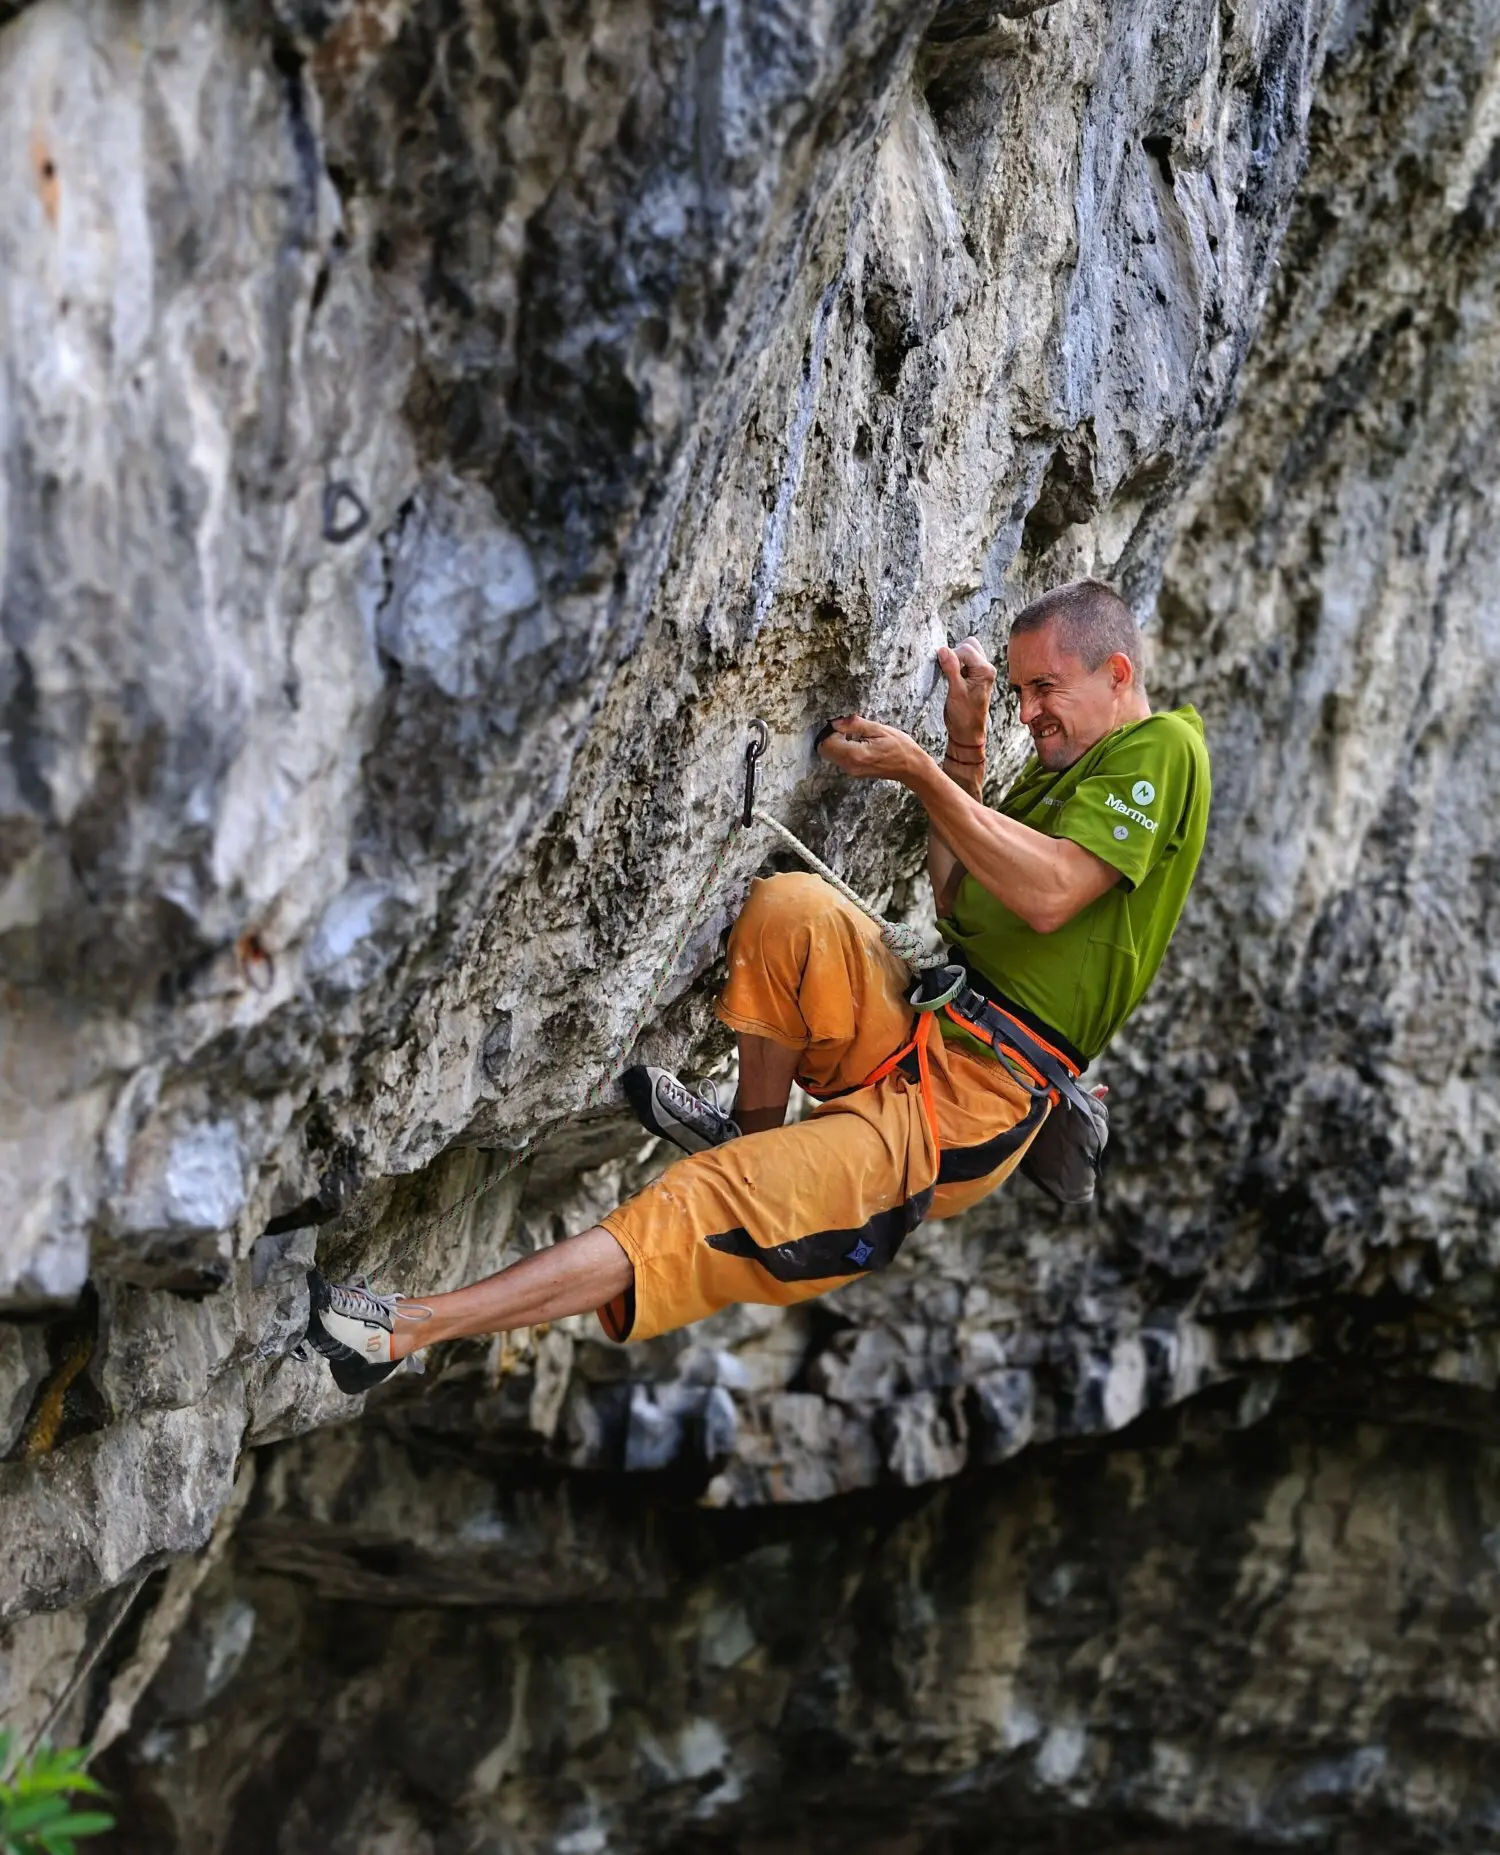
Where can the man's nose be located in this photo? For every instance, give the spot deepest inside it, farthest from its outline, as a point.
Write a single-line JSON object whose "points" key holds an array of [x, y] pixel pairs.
{"points": [[1030, 709]]}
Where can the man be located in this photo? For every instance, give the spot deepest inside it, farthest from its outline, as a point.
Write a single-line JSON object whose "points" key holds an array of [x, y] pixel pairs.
{"points": [[1059, 905]]}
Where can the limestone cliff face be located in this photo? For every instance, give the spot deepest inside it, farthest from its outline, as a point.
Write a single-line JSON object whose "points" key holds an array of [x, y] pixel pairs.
{"points": [[429, 433]]}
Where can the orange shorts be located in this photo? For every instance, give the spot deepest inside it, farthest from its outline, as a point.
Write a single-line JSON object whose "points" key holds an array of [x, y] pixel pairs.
{"points": [[780, 1217]]}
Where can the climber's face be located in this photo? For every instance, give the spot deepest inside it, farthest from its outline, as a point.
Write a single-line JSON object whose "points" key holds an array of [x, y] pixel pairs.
{"points": [[1067, 707]]}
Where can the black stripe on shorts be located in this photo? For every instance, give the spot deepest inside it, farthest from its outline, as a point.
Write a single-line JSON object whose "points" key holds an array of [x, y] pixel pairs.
{"points": [[829, 1253], [962, 1165]]}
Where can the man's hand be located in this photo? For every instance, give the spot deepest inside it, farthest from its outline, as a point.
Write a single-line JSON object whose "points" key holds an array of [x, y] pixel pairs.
{"points": [[971, 684], [870, 750]]}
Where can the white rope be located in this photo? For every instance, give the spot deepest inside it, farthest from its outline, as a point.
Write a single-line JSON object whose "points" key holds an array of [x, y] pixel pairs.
{"points": [[75, 1681]]}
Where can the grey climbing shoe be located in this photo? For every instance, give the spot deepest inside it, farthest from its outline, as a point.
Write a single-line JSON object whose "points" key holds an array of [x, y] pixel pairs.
{"points": [[351, 1327], [665, 1106]]}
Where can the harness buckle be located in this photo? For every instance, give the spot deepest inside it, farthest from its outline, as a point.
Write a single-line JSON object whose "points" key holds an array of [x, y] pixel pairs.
{"points": [[936, 986]]}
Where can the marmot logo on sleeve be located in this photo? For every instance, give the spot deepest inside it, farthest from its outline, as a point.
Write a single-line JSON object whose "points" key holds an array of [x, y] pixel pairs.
{"points": [[1119, 805], [1143, 792]]}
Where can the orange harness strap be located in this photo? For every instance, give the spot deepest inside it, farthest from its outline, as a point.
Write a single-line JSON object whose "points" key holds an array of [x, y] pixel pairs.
{"points": [[926, 1023], [926, 1029], [1015, 1056]]}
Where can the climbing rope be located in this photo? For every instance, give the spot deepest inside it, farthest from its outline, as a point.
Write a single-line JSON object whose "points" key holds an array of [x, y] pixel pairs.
{"points": [[905, 942]]}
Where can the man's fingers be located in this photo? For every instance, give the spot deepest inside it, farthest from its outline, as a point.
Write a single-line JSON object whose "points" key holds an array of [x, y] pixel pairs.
{"points": [[865, 749], [848, 756], [952, 666], [848, 732], [970, 654], [966, 666], [856, 728]]}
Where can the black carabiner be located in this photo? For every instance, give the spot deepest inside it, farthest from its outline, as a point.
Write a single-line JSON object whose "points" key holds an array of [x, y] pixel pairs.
{"points": [[760, 740]]}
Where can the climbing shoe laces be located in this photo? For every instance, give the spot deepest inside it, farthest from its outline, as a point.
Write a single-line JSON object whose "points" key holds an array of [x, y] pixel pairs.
{"points": [[356, 1300], [666, 1106]]}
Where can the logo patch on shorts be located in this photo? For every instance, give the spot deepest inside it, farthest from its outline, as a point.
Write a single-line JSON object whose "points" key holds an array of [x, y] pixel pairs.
{"points": [[861, 1253]]}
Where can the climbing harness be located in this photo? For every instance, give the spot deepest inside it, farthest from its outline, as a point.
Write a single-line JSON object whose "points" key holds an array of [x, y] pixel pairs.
{"points": [[1035, 1059], [1065, 1156]]}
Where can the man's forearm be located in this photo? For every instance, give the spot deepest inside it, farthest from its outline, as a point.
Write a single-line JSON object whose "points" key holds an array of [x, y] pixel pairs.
{"points": [[1039, 878], [945, 869]]}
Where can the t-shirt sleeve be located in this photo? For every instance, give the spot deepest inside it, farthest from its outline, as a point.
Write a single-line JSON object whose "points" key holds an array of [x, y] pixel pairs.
{"points": [[1130, 807]]}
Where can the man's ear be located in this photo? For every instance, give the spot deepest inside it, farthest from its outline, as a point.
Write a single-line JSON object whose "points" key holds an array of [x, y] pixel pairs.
{"points": [[1121, 671]]}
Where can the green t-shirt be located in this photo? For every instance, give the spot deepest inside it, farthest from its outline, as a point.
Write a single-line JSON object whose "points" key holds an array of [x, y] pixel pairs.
{"points": [[1139, 799]]}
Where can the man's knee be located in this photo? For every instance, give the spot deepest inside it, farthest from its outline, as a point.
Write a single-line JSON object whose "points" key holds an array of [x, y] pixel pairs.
{"points": [[778, 906]]}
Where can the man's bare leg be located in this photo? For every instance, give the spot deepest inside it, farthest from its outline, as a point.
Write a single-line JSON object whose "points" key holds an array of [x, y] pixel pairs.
{"points": [[576, 1276], [767, 1071], [584, 1273]]}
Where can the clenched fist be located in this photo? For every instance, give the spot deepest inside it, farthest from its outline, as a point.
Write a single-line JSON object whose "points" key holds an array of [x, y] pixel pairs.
{"points": [[971, 685]]}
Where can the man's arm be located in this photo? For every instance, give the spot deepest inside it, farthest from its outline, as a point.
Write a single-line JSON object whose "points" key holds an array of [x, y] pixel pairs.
{"points": [[944, 869], [971, 683], [1044, 880]]}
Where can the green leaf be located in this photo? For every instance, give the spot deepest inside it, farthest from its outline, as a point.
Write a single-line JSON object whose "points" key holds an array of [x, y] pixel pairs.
{"points": [[60, 1782], [45, 1784], [33, 1813], [37, 1808], [53, 1767]]}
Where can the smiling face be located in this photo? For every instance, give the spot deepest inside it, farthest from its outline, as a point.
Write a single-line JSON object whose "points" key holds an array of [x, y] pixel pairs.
{"points": [[1067, 707]]}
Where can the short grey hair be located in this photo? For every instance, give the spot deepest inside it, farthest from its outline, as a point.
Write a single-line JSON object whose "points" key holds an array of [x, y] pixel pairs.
{"points": [[1093, 623]]}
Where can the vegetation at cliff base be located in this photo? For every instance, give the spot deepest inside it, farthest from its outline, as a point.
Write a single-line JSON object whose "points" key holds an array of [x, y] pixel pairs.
{"points": [[38, 1813]]}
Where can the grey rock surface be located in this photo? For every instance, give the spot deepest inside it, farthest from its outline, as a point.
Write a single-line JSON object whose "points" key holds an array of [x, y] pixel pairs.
{"points": [[694, 364]]}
